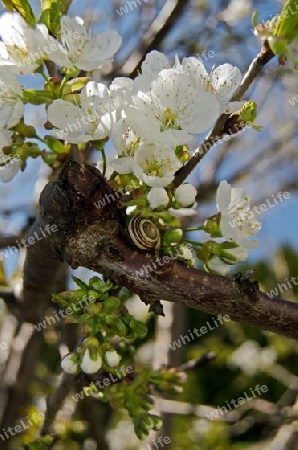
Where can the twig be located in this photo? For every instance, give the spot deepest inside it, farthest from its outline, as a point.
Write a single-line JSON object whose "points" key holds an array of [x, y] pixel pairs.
{"points": [[162, 24], [56, 400]]}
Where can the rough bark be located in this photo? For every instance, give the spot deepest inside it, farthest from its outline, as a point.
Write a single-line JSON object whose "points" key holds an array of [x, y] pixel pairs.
{"points": [[94, 238]]}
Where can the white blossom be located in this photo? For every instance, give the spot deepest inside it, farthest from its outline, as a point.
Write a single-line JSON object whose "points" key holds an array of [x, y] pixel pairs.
{"points": [[186, 194], [112, 358], [158, 197], [89, 365], [186, 253], [90, 121], [9, 164], [184, 212], [222, 81], [121, 90], [170, 109], [154, 63], [22, 47], [68, 365], [11, 107], [220, 266], [126, 143], [237, 222], [78, 50], [216, 265], [237, 10], [156, 164], [5, 139]]}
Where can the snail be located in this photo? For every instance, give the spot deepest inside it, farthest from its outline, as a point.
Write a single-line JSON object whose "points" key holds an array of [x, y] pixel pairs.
{"points": [[143, 234]]}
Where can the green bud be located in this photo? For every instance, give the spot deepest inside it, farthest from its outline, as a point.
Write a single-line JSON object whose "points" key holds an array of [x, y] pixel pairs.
{"points": [[94, 309], [139, 328], [210, 247], [170, 236], [25, 130], [111, 319], [111, 304], [212, 227], [120, 328], [49, 158]]}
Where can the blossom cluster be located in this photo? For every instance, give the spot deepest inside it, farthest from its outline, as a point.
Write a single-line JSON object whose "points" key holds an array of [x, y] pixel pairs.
{"points": [[23, 50], [150, 120]]}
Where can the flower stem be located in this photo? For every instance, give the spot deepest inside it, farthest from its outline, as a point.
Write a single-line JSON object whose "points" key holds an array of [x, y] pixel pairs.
{"points": [[104, 162]]}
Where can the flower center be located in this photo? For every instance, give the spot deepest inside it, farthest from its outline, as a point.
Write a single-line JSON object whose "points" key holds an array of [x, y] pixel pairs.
{"points": [[153, 168], [169, 121]]}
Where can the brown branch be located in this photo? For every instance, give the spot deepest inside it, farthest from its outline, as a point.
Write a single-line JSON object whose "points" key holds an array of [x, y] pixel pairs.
{"points": [[13, 397], [93, 238], [153, 37], [217, 133], [56, 400]]}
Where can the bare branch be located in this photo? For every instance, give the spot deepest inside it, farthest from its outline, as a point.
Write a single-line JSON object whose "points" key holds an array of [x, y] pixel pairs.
{"points": [[158, 30]]}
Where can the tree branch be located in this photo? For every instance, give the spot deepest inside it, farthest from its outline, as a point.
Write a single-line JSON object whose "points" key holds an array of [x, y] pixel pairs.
{"points": [[93, 238], [162, 24]]}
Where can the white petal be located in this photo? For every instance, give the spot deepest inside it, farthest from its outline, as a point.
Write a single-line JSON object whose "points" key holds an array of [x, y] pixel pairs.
{"points": [[225, 80], [223, 196], [88, 365], [99, 50], [216, 265], [197, 71], [232, 107], [183, 212], [155, 62], [63, 114], [123, 165], [8, 171], [5, 139]]}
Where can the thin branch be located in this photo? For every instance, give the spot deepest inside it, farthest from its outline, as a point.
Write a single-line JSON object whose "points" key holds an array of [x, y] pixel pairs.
{"points": [[55, 401], [218, 131]]}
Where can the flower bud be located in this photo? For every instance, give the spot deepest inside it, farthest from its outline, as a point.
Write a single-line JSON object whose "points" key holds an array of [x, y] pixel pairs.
{"points": [[170, 236], [211, 227], [91, 364], [112, 358], [68, 364], [186, 195]]}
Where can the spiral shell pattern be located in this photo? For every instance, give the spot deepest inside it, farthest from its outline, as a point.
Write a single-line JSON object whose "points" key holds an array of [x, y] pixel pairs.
{"points": [[143, 234]]}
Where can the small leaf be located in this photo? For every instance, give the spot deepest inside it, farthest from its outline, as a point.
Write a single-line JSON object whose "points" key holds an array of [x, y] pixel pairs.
{"points": [[51, 13], [80, 283], [56, 146], [74, 85], [37, 97], [23, 8]]}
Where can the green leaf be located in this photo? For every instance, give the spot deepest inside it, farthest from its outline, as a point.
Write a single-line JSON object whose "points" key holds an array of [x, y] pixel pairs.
{"points": [[51, 13], [74, 85], [80, 283], [56, 146], [286, 25], [23, 8], [37, 97]]}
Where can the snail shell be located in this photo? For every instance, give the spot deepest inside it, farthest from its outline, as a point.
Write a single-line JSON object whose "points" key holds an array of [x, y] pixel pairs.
{"points": [[143, 234]]}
